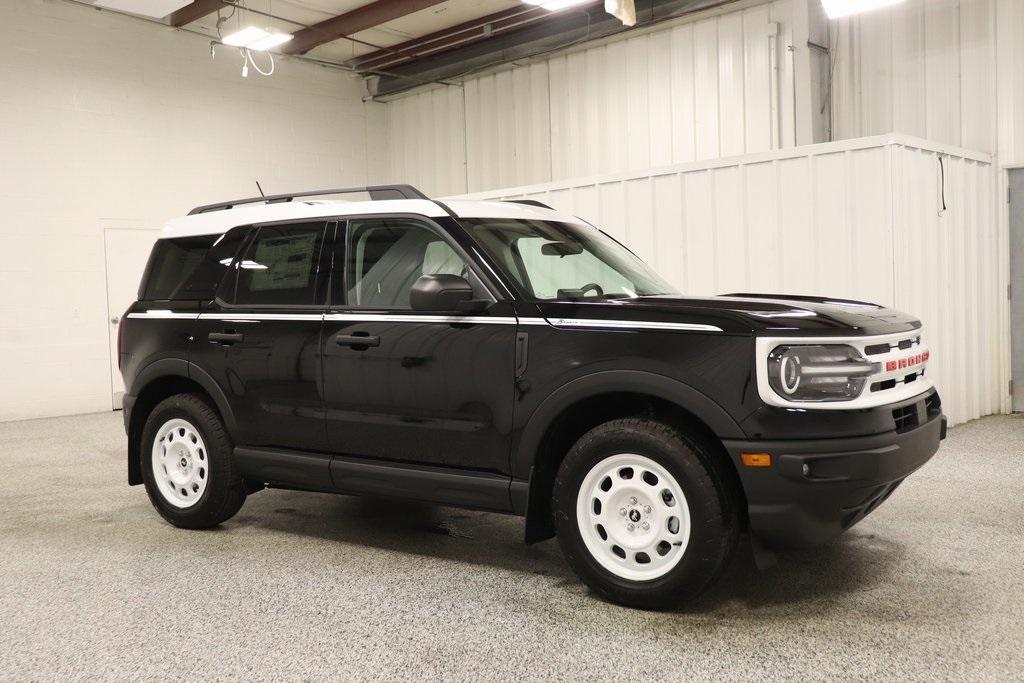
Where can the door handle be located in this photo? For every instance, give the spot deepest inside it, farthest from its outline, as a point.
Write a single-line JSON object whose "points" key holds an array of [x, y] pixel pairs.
{"points": [[226, 338], [356, 340]]}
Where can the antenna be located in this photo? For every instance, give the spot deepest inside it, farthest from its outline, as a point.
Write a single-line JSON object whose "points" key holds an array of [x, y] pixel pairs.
{"points": [[260, 189]]}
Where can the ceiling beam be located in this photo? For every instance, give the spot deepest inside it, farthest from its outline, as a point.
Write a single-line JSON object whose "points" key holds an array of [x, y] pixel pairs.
{"points": [[462, 34], [359, 19], [557, 32], [196, 10]]}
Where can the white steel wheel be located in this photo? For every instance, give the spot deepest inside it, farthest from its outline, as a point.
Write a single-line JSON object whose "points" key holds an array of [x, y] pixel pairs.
{"points": [[633, 517], [180, 463]]}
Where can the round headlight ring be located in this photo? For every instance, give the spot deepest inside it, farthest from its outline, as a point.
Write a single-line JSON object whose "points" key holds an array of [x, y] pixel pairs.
{"points": [[789, 373]]}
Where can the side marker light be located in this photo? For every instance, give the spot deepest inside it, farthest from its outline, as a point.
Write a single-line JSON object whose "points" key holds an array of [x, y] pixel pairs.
{"points": [[756, 459]]}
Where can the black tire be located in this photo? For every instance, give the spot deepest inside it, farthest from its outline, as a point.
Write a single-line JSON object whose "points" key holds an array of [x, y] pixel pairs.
{"points": [[714, 514], [225, 490]]}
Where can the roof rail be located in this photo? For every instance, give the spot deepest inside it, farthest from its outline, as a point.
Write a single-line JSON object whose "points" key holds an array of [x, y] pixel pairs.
{"points": [[376, 192], [528, 202]]}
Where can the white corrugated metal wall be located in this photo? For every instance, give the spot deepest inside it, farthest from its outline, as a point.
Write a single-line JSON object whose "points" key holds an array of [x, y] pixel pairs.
{"points": [[714, 87], [859, 219], [945, 70], [951, 71]]}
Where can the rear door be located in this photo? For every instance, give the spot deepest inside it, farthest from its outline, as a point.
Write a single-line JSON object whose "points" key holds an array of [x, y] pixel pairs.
{"points": [[433, 389], [260, 340]]}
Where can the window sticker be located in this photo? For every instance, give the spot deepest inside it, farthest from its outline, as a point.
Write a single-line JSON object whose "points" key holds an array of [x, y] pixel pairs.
{"points": [[282, 263]]}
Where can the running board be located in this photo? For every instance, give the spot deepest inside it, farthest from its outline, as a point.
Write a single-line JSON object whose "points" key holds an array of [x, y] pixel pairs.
{"points": [[479, 490], [363, 477], [285, 469]]}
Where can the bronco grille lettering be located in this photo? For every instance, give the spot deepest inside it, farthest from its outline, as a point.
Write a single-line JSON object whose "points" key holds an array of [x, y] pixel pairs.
{"points": [[908, 362]]}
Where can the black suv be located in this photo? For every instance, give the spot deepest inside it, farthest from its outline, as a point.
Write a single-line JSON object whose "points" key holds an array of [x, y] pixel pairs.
{"points": [[506, 357]]}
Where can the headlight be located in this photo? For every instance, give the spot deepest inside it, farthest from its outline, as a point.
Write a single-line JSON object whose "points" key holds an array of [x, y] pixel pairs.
{"points": [[825, 372]]}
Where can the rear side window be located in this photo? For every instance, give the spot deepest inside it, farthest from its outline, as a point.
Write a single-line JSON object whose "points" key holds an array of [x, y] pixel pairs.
{"points": [[173, 263], [281, 266], [190, 267]]}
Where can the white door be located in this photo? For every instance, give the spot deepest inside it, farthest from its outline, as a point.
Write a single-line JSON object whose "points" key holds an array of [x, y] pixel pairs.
{"points": [[127, 251], [1017, 288]]}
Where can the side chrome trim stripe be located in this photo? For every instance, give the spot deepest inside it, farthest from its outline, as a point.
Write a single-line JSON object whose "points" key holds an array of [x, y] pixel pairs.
{"points": [[457, 319], [161, 314], [572, 323], [632, 325], [257, 317]]}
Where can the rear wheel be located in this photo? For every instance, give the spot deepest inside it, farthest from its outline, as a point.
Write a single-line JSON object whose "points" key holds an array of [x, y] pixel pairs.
{"points": [[187, 465], [642, 513]]}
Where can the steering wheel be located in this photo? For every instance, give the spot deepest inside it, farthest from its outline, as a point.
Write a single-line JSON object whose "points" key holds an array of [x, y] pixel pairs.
{"points": [[591, 286]]}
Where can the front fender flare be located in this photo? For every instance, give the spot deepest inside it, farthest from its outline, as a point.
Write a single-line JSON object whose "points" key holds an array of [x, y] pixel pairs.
{"points": [[617, 381], [524, 485]]}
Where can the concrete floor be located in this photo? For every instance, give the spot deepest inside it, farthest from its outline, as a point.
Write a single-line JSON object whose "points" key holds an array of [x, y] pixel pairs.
{"points": [[306, 586]]}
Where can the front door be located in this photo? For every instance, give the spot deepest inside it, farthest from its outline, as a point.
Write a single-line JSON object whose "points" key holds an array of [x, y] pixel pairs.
{"points": [[261, 339], [425, 388]]}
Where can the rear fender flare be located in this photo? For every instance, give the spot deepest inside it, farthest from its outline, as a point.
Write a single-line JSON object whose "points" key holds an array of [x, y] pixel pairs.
{"points": [[154, 372], [220, 399], [178, 367]]}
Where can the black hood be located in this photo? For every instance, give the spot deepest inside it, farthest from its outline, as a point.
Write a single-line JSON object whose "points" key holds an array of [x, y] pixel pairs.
{"points": [[775, 314]]}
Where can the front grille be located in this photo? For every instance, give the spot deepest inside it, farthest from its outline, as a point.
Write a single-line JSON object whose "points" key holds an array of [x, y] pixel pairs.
{"points": [[914, 414], [898, 370], [892, 359], [891, 383], [900, 345], [933, 404], [905, 417]]}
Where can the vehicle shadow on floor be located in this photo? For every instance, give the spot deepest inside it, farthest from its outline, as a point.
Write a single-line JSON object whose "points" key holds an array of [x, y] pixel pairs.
{"points": [[405, 526], [853, 563]]}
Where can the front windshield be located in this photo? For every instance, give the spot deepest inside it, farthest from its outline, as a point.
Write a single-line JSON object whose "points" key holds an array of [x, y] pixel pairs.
{"points": [[553, 260]]}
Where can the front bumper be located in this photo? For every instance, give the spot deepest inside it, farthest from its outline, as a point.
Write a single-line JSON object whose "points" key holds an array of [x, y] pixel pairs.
{"points": [[816, 489]]}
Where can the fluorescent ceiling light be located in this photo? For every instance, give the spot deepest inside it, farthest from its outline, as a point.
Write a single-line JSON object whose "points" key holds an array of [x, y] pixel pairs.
{"points": [[243, 37], [256, 38], [269, 41], [555, 5], [836, 9]]}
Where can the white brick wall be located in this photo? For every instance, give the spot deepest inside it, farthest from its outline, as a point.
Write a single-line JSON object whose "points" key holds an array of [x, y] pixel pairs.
{"points": [[106, 121]]}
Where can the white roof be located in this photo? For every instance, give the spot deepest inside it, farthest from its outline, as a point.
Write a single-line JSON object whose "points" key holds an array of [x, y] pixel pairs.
{"points": [[216, 222]]}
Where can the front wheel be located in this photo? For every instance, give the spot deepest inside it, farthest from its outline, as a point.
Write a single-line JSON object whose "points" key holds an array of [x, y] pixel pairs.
{"points": [[643, 514]]}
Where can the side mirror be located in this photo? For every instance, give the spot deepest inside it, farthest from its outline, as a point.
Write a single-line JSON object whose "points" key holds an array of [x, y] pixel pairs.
{"points": [[444, 293]]}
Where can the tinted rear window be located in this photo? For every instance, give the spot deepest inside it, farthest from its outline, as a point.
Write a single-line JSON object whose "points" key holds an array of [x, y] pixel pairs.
{"points": [[281, 266], [190, 267]]}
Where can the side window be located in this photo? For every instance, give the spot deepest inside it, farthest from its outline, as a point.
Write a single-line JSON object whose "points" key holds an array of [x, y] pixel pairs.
{"points": [[217, 262], [387, 255], [172, 264], [281, 266]]}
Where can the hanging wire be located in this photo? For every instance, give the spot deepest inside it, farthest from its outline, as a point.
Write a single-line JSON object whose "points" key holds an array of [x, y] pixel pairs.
{"points": [[222, 19], [942, 184], [248, 55]]}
